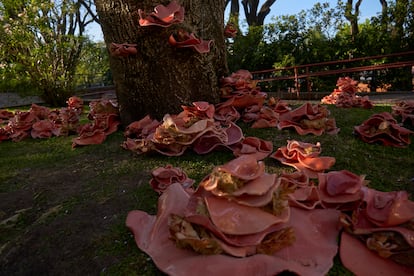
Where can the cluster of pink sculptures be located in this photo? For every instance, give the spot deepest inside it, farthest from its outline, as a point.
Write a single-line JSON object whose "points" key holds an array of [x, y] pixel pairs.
{"points": [[242, 219], [43, 122], [345, 95]]}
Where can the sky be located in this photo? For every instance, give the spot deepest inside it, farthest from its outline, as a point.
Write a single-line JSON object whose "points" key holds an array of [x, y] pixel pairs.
{"points": [[368, 9]]}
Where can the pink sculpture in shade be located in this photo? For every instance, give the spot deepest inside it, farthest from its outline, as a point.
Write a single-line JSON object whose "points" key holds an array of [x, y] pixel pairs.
{"points": [[304, 157], [230, 31], [122, 50], [405, 110], [383, 128], [345, 95], [183, 39], [42, 122], [163, 177], [105, 116], [378, 233], [309, 119], [193, 128]]}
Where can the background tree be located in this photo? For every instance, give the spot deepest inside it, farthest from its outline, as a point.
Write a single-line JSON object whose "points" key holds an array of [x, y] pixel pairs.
{"points": [[352, 14], [402, 23], [288, 40], [93, 68], [384, 14], [41, 42], [254, 15], [160, 78], [243, 45], [234, 11]]}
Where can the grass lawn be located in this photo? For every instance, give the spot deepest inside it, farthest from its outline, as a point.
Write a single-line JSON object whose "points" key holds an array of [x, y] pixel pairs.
{"points": [[63, 210]]}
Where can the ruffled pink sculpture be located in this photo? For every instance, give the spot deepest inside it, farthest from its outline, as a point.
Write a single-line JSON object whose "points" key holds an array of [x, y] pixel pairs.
{"points": [[254, 146], [378, 232], [123, 50], [226, 112], [240, 90], [309, 119], [20, 125], [183, 39], [383, 128], [165, 176], [304, 157], [163, 16], [228, 223], [105, 116], [341, 190], [405, 110], [42, 122], [193, 128], [345, 95], [230, 30], [239, 80], [43, 129], [305, 192], [5, 114]]}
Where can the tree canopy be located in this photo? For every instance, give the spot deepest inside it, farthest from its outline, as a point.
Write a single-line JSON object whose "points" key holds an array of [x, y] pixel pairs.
{"points": [[41, 43]]}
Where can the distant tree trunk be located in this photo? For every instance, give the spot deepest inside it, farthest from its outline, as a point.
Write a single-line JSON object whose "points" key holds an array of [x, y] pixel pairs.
{"points": [[234, 11], [384, 8], [353, 17], [254, 15], [160, 78], [384, 15]]}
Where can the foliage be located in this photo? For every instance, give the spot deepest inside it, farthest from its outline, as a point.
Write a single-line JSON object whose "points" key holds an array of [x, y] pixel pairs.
{"points": [[299, 38], [321, 34], [41, 42], [247, 51], [93, 68]]}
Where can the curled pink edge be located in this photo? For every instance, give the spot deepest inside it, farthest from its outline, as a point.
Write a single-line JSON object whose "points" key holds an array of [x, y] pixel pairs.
{"points": [[191, 41]]}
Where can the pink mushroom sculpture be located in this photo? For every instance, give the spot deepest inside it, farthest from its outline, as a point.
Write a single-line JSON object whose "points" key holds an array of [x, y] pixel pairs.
{"points": [[162, 16]]}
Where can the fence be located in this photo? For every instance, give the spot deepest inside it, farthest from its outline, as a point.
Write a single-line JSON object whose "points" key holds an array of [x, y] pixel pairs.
{"points": [[304, 73]]}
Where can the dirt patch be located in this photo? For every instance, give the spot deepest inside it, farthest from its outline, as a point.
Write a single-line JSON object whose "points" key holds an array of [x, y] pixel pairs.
{"points": [[54, 223]]}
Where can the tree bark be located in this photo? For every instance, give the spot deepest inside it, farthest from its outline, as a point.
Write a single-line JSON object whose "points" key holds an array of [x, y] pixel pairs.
{"points": [[161, 78]]}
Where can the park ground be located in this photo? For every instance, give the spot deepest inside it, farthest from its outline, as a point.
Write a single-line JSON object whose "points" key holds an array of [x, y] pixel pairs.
{"points": [[63, 211]]}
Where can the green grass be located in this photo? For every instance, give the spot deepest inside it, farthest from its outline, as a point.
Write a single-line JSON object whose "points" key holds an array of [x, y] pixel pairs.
{"points": [[106, 175]]}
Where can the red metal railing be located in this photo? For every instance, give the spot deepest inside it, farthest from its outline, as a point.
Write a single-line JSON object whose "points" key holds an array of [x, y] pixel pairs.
{"points": [[306, 71]]}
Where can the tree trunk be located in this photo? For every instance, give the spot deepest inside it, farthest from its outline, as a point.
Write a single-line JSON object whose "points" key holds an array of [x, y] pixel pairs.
{"points": [[234, 12], [353, 17], [384, 16], [253, 16], [160, 78]]}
